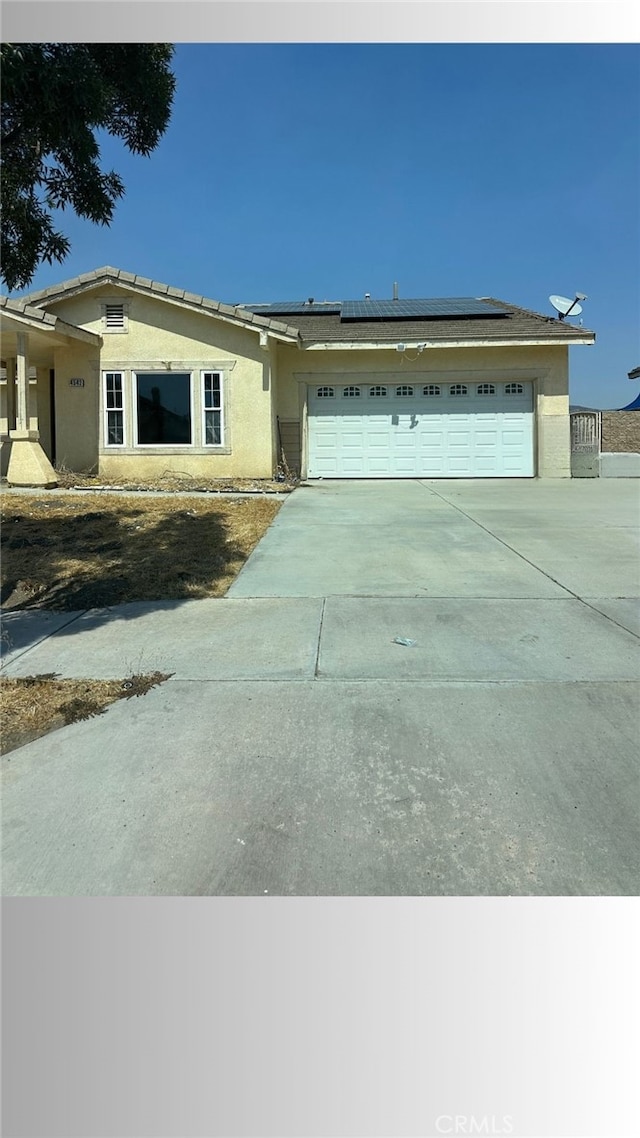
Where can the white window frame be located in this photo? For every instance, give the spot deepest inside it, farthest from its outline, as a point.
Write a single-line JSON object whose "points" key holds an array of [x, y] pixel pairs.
{"points": [[485, 389], [135, 372], [107, 410], [351, 392], [458, 390], [405, 391], [203, 422], [514, 389], [432, 390], [378, 391], [325, 392]]}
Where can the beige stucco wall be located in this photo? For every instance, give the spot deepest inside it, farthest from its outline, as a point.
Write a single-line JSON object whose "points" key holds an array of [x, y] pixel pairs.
{"points": [[43, 409], [77, 408], [546, 367], [162, 336]]}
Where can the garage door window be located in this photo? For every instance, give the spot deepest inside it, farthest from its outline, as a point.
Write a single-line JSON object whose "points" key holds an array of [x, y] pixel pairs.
{"points": [[325, 392], [377, 392], [431, 389], [351, 393], [458, 389], [513, 389], [485, 389], [404, 390]]}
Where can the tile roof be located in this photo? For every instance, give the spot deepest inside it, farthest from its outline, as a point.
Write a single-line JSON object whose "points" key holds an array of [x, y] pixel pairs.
{"points": [[109, 275], [21, 308], [48, 320], [519, 325]]}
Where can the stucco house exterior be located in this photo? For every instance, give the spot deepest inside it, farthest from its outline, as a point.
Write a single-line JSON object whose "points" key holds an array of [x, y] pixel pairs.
{"points": [[130, 377]]}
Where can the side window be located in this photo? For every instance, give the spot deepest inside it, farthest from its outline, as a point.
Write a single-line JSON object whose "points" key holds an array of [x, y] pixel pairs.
{"points": [[113, 409], [212, 408]]}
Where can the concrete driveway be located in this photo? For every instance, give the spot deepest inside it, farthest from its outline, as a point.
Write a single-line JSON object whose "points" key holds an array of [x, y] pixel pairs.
{"points": [[299, 750]]}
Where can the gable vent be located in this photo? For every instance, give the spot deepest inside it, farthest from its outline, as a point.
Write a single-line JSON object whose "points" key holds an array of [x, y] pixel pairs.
{"points": [[114, 315]]}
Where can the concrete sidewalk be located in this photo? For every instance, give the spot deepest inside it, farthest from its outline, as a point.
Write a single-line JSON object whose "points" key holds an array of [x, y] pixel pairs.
{"points": [[299, 750]]}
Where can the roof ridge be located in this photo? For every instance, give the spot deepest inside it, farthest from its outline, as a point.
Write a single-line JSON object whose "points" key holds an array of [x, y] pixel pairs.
{"points": [[158, 288]]}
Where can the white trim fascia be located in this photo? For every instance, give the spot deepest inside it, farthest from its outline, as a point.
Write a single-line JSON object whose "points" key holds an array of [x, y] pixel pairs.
{"points": [[412, 346]]}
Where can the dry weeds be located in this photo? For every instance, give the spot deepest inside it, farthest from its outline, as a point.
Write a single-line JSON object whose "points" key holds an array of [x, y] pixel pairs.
{"points": [[177, 481], [35, 705], [77, 551]]}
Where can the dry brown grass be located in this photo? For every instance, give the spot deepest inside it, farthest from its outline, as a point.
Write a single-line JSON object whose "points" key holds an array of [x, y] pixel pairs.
{"points": [[75, 551], [81, 550], [35, 705], [173, 481]]}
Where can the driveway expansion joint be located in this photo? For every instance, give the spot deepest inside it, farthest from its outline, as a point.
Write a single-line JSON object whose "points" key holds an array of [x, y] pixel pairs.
{"points": [[315, 666]]}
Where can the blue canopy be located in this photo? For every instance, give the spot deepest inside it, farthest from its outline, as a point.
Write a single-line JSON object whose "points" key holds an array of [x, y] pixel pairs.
{"points": [[634, 406]]}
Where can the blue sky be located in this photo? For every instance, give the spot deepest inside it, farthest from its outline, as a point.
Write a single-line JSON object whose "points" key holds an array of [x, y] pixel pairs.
{"points": [[331, 170]]}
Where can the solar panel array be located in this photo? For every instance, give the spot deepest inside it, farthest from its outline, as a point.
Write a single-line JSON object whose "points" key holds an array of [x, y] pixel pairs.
{"points": [[296, 308], [439, 309]]}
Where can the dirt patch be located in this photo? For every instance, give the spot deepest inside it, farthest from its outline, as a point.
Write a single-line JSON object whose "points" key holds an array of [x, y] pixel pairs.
{"points": [[78, 551], [72, 551], [34, 705], [174, 482]]}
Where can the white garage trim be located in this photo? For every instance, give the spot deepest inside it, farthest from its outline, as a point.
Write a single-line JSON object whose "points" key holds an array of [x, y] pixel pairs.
{"points": [[402, 427]]}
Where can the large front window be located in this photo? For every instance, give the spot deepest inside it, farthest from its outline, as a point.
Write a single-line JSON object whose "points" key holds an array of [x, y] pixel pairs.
{"points": [[158, 409], [163, 405]]}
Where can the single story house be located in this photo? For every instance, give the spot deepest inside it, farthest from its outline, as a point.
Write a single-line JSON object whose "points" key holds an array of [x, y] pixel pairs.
{"points": [[133, 378]]}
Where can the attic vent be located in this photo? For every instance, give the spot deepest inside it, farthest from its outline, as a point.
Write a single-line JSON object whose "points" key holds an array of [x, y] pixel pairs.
{"points": [[114, 316]]}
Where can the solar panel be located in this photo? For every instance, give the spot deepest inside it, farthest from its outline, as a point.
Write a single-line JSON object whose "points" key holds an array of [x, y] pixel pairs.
{"points": [[438, 308], [295, 308]]}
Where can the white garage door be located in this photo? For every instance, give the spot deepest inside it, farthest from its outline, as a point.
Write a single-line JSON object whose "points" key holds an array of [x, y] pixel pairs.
{"points": [[432, 430]]}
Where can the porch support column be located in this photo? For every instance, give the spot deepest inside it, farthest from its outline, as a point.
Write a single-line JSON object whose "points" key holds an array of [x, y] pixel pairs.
{"points": [[28, 464], [11, 394]]}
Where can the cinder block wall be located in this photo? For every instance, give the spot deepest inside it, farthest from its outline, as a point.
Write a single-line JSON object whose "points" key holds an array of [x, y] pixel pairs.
{"points": [[621, 431]]}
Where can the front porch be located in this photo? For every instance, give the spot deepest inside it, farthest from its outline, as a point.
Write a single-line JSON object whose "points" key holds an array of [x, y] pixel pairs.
{"points": [[30, 339]]}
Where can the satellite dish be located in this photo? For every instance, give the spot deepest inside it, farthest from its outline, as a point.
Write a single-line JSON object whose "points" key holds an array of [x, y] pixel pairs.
{"points": [[564, 305]]}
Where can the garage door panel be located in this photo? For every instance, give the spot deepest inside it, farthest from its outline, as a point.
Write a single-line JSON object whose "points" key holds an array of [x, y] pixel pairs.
{"points": [[418, 436]]}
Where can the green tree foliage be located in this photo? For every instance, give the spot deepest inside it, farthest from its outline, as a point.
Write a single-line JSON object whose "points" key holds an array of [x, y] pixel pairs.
{"points": [[55, 97]]}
